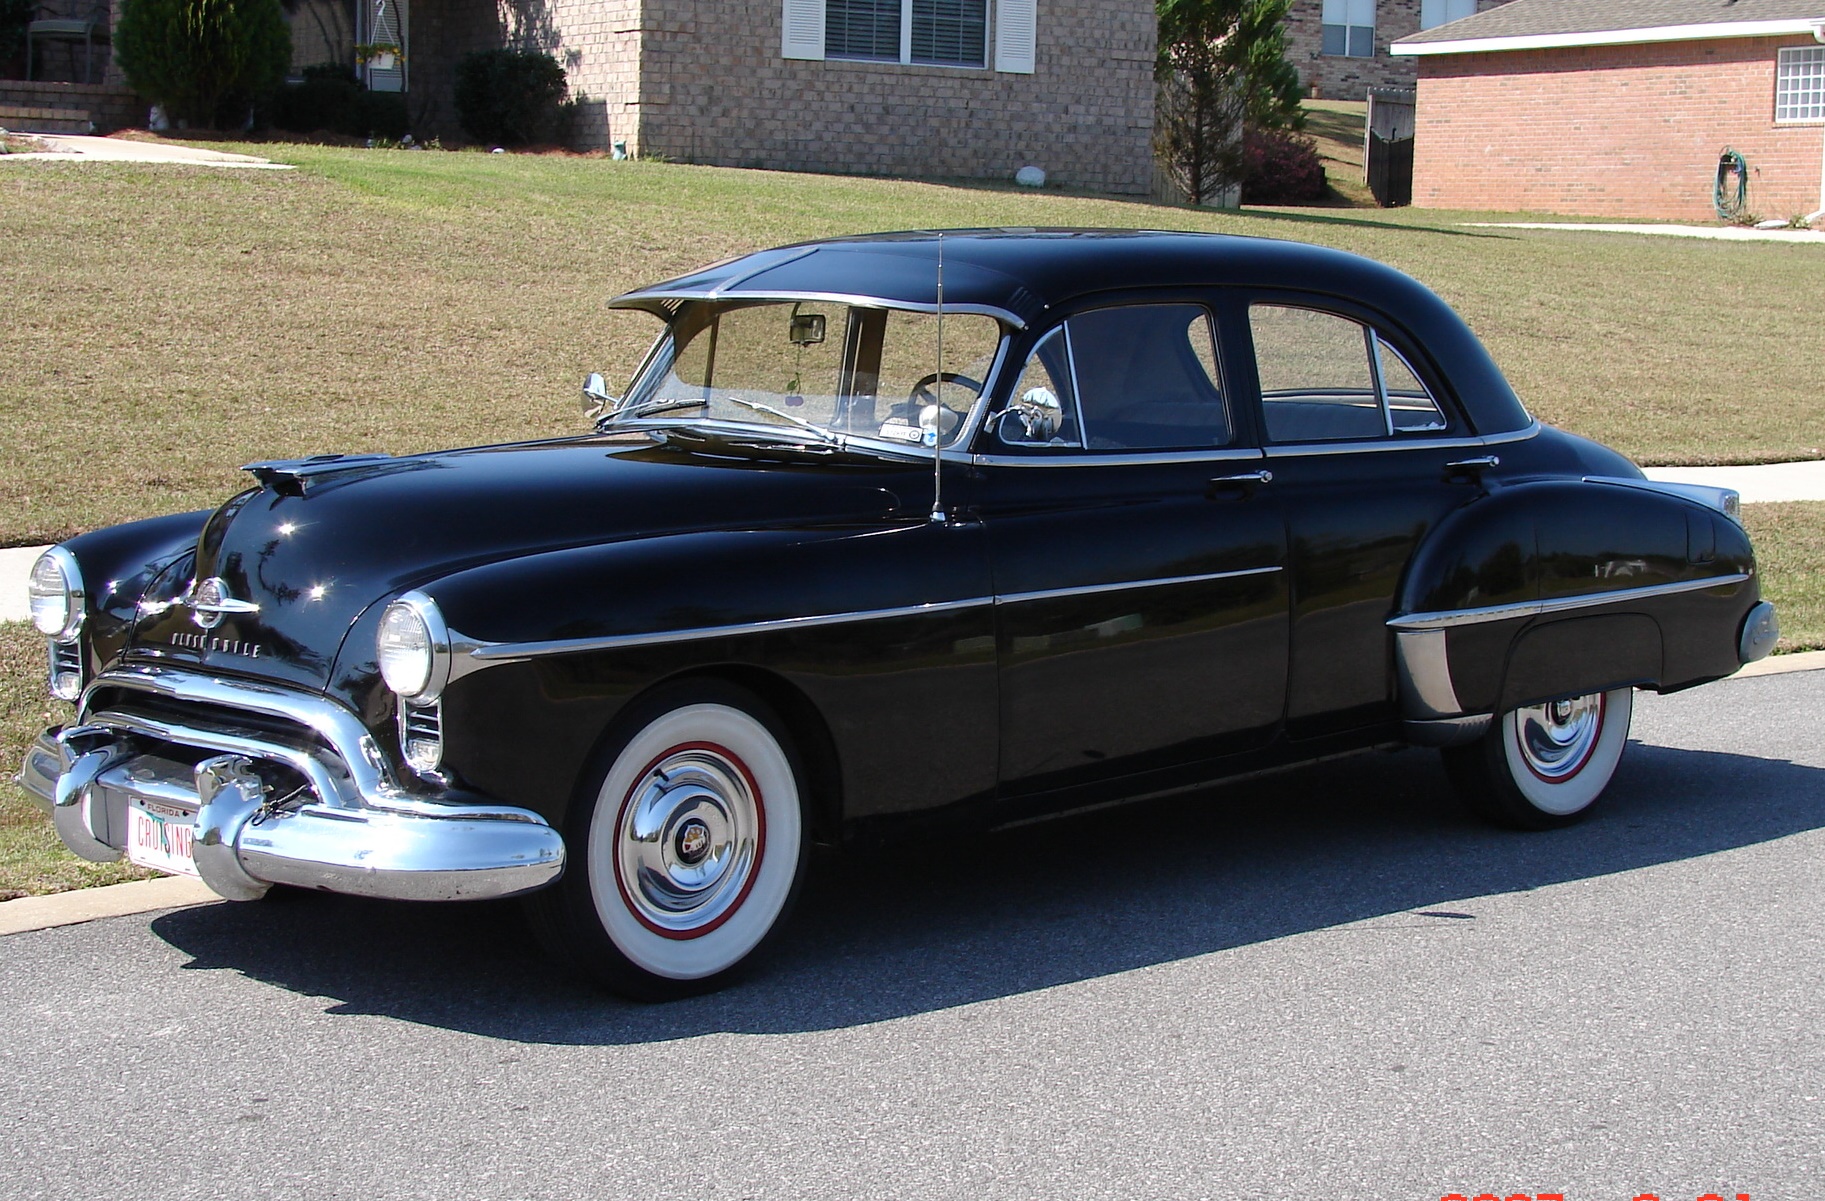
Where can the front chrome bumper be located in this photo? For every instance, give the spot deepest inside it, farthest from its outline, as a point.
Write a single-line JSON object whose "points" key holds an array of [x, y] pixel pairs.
{"points": [[298, 794]]}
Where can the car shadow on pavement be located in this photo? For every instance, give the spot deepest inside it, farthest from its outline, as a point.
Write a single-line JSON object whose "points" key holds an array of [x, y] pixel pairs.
{"points": [[933, 926]]}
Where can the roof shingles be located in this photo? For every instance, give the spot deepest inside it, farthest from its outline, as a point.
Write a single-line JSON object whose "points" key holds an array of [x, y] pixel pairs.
{"points": [[1534, 18]]}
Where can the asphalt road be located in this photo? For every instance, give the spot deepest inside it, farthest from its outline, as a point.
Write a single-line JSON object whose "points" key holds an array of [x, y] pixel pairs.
{"points": [[1326, 985]]}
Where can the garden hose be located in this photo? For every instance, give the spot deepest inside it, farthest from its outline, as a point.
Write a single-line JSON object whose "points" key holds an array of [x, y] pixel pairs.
{"points": [[1730, 208]]}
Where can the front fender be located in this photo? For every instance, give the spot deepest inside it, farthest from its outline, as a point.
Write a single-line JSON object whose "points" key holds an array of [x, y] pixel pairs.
{"points": [[885, 630], [118, 564]]}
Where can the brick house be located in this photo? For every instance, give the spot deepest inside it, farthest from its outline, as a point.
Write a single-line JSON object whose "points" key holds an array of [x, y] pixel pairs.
{"points": [[1341, 46], [929, 88], [1622, 108]]}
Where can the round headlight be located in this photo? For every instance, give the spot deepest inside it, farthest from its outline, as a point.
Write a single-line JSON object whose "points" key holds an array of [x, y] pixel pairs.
{"points": [[411, 647], [56, 596]]}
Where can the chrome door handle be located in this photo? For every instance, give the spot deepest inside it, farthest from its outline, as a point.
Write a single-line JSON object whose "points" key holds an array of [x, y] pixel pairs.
{"points": [[1481, 463], [1246, 479]]}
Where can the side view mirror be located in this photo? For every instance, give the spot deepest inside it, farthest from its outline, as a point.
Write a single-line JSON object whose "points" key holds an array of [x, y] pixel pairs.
{"points": [[596, 398], [1037, 413]]}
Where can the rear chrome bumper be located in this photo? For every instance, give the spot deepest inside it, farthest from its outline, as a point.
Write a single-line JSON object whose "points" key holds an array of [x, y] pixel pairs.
{"points": [[299, 794]]}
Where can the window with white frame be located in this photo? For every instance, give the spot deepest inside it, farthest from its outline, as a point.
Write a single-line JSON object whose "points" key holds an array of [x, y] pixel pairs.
{"points": [[1349, 28], [1443, 12], [944, 33], [1799, 84]]}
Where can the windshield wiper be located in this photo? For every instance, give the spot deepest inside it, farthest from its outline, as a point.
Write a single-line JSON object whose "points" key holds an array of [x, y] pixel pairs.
{"points": [[811, 427], [652, 406], [662, 406]]}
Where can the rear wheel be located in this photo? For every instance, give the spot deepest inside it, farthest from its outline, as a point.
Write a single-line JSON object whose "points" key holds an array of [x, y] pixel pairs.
{"points": [[1544, 766], [686, 848]]}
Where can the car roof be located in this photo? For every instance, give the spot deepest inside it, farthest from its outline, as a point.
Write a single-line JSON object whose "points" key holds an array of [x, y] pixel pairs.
{"points": [[1020, 276]]}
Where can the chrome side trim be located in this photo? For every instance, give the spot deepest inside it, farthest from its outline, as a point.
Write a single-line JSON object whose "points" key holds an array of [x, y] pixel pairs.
{"points": [[1424, 668], [504, 652], [486, 654], [1557, 604], [1396, 442], [1081, 458], [1129, 585]]}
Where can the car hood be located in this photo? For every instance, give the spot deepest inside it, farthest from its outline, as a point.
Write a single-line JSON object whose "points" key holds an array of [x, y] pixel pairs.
{"points": [[321, 544]]}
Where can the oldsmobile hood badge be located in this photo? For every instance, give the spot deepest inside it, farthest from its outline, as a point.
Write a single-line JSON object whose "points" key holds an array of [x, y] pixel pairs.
{"points": [[211, 601]]}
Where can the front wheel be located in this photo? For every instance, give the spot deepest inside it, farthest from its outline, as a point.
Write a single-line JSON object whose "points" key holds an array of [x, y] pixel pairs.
{"points": [[687, 846], [1544, 766]]}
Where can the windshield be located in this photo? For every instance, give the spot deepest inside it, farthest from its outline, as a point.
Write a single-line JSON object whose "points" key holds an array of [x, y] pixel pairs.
{"points": [[840, 369]]}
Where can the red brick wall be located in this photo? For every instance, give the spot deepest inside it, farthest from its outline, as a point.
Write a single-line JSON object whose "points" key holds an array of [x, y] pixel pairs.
{"points": [[1611, 131], [1335, 77]]}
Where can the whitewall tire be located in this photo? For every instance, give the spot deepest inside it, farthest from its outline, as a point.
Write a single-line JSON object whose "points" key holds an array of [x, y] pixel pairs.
{"points": [[687, 845], [1544, 766]]}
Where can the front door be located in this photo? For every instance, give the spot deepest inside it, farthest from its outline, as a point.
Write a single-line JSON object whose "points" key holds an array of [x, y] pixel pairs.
{"points": [[1139, 560]]}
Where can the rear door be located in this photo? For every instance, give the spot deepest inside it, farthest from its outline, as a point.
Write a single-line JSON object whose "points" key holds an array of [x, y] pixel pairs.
{"points": [[1367, 454]]}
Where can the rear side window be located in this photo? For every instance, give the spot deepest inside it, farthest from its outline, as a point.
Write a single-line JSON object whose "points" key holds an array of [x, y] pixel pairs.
{"points": [[1329, 378]]}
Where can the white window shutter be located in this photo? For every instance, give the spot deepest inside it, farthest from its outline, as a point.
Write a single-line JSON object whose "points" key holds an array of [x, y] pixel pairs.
{"points": [[803, 24], [1016, 32]]}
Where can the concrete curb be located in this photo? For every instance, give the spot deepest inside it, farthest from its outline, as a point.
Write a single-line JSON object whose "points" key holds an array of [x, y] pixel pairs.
{"points": [[181, 892], [114, 900]]}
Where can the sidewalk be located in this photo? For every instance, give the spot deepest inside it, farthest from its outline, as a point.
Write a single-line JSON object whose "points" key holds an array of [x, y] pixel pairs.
{"points": [[1722, 233], [78, 148]]}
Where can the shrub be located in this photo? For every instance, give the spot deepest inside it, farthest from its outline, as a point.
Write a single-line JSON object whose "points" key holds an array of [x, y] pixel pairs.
{"points": [[512, 97], [1280, 167], [204, 60], [332, 98]]}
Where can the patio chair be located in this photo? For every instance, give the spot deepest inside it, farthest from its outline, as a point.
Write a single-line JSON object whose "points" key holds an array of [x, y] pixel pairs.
{"points": [[48, 26]]}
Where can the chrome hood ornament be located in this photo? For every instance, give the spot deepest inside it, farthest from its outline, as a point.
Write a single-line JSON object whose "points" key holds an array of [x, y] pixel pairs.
{"points": [[210, 601]]}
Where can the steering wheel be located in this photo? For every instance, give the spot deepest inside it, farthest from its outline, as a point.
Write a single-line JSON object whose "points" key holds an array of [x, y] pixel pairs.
{"points": [[922, 395]]}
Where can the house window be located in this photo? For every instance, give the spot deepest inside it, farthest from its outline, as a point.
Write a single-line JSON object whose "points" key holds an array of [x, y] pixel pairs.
{"points": [[945, 33], [1441, 12], [1349, 28], [949, 33], [1799, 84]]}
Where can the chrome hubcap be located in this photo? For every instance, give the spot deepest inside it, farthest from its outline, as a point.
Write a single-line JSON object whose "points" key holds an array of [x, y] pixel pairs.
{"points": [[688, 840], [1557, 739]]}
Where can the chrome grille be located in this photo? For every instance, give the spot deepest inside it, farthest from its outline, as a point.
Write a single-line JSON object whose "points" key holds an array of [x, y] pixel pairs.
{"points": [[421, 735]]}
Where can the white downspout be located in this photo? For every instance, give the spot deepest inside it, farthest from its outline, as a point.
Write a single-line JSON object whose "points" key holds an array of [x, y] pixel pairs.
{"points": [[1818, 35]]}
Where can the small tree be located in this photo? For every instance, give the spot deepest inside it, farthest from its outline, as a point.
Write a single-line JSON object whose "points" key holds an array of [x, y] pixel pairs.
{"points": [[204, 60], [1222, 65]]}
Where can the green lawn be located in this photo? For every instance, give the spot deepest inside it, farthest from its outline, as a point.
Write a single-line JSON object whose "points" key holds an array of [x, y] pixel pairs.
{"points": [[1790, 551], [167, 324]]}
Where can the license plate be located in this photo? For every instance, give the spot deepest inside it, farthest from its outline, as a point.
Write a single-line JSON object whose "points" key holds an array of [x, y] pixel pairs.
{"points": [[158, 836]]}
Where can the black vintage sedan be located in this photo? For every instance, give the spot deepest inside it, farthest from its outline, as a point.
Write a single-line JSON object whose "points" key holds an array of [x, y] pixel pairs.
{"points": [[906, 530]]}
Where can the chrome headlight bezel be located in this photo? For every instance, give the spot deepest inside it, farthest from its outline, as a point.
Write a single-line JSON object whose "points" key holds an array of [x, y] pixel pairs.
{"points": [[70, 595], [421, 681]]}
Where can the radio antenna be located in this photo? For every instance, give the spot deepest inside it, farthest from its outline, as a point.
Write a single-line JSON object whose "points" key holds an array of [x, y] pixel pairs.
{"points": [[935, 431]]}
